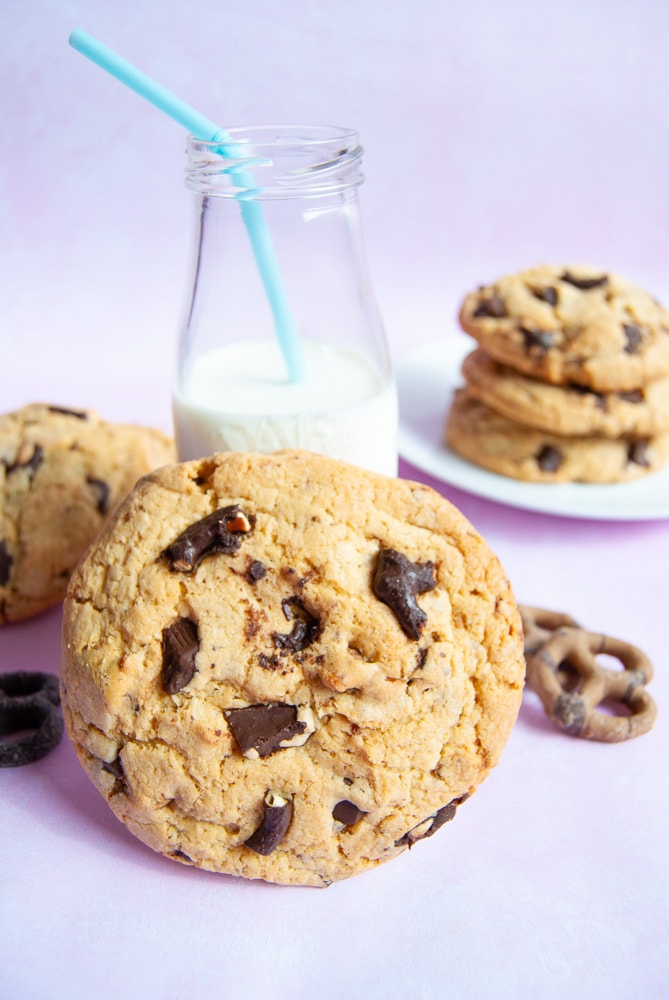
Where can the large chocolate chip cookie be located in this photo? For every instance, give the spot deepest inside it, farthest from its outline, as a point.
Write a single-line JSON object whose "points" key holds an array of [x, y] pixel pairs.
{"points": [[288, 668]]}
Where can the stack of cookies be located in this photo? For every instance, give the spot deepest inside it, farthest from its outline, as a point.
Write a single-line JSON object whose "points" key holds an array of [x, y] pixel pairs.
{"points": [[570, 379]]}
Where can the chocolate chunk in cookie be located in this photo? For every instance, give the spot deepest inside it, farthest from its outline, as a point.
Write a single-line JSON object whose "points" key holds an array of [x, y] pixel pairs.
{"points": [[493, 306], [633, 337], [277, 814], [305, 627], [29, 457], [65, 411], [347, 813], [637, 453], [6, 561], [261, 730], [584, 283], [256, 571], [218, 532], [538, 341], [430, 826], [102, 492], [547, 294], [397, 581], [180, 645], [549, 458]]}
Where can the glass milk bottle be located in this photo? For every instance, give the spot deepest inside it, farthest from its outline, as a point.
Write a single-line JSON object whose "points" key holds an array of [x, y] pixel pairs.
{"points": [[282, 346]]}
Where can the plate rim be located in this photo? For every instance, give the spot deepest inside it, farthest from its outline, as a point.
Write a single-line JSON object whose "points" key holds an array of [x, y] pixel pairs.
{"points": [[442, 358]]}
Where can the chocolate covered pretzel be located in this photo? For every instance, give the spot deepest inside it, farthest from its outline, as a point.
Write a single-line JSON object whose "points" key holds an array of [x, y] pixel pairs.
{"points": [[562, 669], [31, 722]]}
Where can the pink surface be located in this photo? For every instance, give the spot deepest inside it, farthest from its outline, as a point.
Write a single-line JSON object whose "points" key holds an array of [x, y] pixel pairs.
{"points": [[551, 881], [497, 136]]}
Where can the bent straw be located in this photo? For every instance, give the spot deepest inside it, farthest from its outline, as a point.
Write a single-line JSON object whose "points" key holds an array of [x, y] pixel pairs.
{"points": [[203, 128]]}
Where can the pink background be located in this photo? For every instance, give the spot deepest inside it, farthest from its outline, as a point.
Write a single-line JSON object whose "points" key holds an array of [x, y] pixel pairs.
{"points": [[497, 135]]}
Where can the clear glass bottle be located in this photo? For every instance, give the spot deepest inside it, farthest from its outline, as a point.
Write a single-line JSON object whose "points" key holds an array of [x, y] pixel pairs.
{"points": [[282, 345]]}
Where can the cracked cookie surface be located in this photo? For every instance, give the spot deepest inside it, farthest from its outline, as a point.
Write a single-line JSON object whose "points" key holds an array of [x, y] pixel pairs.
{"points": [[62, 474], [244, 700], [571, 324]]}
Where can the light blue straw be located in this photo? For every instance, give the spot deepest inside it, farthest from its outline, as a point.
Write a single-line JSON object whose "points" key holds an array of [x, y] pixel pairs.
{"points": [[203, 128]]}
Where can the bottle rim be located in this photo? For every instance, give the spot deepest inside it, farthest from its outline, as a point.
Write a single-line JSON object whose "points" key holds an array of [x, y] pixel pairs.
{"points": [[275, 161]]}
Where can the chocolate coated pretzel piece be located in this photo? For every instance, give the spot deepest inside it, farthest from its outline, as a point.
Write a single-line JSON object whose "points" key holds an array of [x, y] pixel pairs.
{"points": [[565, 674], [540, 624], [30, 707]]}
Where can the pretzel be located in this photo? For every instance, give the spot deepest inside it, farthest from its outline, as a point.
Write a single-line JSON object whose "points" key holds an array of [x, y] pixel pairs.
{"points": [[31, 723], [562, 669], [539, 625]]}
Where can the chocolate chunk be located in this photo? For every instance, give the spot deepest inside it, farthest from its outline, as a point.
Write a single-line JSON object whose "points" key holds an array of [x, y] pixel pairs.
{"points": [[31, 723], [397, 581], [444, 815], [262, 729], [633, 396], [633, 337], [347, 812], [585, 284], [637, 453], [5, 563], [218, 532], [421, 658], [182, 856], [79, 414], [276, 820], [580, 390], [537, 341], [584, 390], [549, 459], [422, 832], [36, 458], [492, 306], [253, 622], [305, 629], [32, 462], [256, 571], [271, 662], [114, 767], [102, 490], [180, 645], [547, 294]]}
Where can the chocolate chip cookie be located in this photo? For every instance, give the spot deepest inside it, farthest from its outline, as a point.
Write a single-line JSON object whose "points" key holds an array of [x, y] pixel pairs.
{"points": [[571, 325], [288, 668], [62, 473], [569, 409], [485, 437]]}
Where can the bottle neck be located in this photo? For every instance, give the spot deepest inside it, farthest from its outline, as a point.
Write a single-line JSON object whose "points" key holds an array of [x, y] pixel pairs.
{"points": [[276, 162]]}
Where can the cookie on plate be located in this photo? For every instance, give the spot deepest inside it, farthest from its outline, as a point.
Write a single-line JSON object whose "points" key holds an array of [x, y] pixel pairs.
{"points": [[571, 325], [569, 409], [62, 473], [285, 667], [485, 437]]}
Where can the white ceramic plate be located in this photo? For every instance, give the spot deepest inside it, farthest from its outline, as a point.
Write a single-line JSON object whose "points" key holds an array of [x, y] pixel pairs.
{"points": [[426, 379]]}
